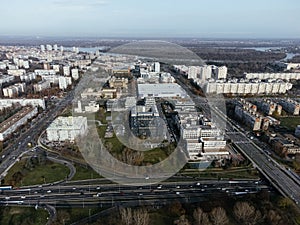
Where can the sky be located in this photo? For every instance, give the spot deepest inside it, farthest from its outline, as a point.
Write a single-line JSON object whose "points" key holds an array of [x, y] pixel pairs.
{"points": [[152, 18]]}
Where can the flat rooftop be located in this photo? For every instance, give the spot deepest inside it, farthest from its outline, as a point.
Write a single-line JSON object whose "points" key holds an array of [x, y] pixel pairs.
{"points": [[161, 90], [72, 123], [15, 118]]}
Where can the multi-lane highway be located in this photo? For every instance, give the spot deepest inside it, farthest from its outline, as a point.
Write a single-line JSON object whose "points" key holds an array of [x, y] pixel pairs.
{"points": [[277, 174], [282, 179], [69, 194]]}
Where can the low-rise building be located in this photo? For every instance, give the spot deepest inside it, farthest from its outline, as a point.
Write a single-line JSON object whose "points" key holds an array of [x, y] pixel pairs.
{"points": [[115, 82], [161, 90], [67, 128]]}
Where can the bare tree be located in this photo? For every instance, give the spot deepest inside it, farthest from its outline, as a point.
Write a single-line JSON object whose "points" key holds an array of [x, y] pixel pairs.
{"points": [[132, 157], [275, 218], [126, 216], [246, 213], [140, 217], [218, 216], [200, 217], [182, 221]]}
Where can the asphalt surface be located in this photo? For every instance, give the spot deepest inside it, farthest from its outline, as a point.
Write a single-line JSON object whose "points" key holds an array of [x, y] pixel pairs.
{"points": [[14, 151], [109, 195], [283, 180]]}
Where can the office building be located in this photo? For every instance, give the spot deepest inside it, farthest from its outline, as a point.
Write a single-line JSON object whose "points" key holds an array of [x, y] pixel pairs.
{"points": [[67, 128]]}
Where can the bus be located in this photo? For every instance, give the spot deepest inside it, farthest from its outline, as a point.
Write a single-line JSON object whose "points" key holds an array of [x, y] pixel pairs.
{"points": [[3, 188]]}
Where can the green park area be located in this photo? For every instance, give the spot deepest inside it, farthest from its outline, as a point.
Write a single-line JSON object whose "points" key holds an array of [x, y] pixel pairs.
{"points": [[23, 216], [85, 173], [31, 172], [290, 122]]}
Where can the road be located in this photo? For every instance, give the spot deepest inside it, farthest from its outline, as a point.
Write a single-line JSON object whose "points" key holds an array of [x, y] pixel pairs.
{"points": [[15, 150], [106, 195], [284, 181], [277, 174]]}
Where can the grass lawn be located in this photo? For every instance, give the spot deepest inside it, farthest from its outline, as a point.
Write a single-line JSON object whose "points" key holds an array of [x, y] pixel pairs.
{"points": [[154, 156], [22, 216], [85, 173], [210, 172], [117, 146], [101, 131], [50, 171], [290, 122]]}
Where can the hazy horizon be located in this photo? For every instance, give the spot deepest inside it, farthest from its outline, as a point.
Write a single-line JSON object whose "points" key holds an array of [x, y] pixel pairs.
{"points": [[152, 19]]}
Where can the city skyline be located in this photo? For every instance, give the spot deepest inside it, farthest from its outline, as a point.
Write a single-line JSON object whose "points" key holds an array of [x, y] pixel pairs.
{"points": [[115, 18]]}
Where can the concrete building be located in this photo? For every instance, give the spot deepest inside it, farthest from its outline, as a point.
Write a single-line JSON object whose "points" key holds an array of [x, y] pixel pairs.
{"points": [[141, 118], [53, 79], [4, 103], [6, 79], [75, 74], [41, 86], [265, 76], [193, 72], [10, 125], [92, 107], [14, 90], [291, 106], [49, 47], [249, 117], [161, 90], [221, 72], [166, 78], [115, 82], [268, 107], [42, 48], [56, 68], [184, 105], [45, 72], [16, 72], [284, 147], [205, 72], [64, 82], [243, 87], [157, 67], [28, 77], [66, 71], [67, 128]]}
